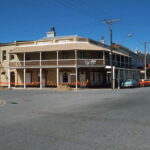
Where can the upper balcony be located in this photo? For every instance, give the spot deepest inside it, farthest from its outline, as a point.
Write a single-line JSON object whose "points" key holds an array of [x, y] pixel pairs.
{"points": [[63, 58], [69, 59]]}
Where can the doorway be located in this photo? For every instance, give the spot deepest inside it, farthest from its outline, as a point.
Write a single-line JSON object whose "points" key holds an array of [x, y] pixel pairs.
{"points": [[65, 77], [12, 77]]}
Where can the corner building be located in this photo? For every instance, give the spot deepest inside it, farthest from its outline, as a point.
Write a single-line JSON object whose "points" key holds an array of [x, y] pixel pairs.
{"points": [[63, 60]]}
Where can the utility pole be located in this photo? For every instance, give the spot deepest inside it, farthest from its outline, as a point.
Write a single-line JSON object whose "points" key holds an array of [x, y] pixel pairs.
{"points": [[109, 22], [145, 56]]}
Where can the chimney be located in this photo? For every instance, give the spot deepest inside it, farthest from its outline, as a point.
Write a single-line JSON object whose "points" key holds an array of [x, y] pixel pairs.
{"points": [[102, 40], [52, 33]]}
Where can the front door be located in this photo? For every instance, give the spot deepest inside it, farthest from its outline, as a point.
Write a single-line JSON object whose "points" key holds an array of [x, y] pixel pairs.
{"points": [[65, 77], [12, 77], [96, 78], [82, 76]]}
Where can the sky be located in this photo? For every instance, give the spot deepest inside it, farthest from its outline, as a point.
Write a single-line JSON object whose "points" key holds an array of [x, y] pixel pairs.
{"points": [[30, 20]]}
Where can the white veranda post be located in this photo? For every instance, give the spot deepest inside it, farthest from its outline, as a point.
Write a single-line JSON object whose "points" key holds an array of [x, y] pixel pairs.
{"points": [[57, 69], [9, 85], [76, 69]]}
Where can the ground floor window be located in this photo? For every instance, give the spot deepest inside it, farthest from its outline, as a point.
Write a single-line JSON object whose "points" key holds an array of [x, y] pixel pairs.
{"points": [[96, 77]]}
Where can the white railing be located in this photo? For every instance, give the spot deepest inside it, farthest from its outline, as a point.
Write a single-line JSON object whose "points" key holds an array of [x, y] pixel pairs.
{"points": [[90, 62], [61, 62]]}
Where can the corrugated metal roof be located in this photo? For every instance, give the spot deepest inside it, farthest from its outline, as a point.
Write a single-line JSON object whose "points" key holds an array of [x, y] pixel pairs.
{"points": [[59, 47]]}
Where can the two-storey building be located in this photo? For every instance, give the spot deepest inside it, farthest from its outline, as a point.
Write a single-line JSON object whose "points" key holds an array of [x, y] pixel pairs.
{"points": [[69, 60]]}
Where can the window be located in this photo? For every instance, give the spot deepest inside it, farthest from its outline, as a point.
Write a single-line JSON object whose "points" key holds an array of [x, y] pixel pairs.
{"points": [[28, 57], [43, 56], [65, 55], [12, 57], [82, 55], [3, 55], [3, 73]]}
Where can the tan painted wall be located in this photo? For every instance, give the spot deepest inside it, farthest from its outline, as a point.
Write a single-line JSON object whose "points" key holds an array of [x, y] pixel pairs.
{"points": [[4, 64], [19, 76], [35, 74], [51, 75]]}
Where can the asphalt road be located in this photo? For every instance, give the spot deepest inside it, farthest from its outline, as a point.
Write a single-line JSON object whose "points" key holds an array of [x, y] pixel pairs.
{"points": [[76, 120]]}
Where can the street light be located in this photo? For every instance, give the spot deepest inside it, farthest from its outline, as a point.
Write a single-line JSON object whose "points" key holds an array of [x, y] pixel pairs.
{"points": [[109, 22], [128, 36]]}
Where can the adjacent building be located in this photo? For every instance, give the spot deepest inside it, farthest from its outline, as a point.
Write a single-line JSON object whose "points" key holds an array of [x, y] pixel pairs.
{"points": [[143, 59]]}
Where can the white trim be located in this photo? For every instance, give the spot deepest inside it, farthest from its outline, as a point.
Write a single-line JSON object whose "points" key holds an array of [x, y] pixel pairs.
{"points": [[40, 58], [57, 71], [57, 57], [9, 85], [24, 78], [113, 76], [108, 67], [53, 60], [76, 64], [76, 78], [41, 78], [52, 44], [118, 78], [24, 59]]}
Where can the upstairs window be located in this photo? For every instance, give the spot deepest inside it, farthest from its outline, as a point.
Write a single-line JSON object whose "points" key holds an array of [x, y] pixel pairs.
{"points": [[28, 57], [12, 57], [3, 55], [82, 55], [43, 56], [65, 55]]}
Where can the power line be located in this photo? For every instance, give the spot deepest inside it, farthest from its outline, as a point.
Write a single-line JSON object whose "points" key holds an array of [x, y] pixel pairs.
{"points": [[84, 5], [81, 7]]}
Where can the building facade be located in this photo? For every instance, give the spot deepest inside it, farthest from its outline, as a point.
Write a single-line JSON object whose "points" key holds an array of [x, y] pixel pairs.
{"points": [[64, 60], [141, 60]]}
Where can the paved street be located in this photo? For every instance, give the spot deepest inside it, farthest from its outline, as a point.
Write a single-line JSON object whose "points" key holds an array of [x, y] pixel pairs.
{"points": [[95, 119]]}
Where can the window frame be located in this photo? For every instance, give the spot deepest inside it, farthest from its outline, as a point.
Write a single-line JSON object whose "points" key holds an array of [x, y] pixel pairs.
{"points": [[4, 55]]}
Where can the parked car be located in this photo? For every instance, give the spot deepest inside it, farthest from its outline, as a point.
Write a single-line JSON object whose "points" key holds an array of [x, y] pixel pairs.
{"points": [[130, 83], [144, 82]]}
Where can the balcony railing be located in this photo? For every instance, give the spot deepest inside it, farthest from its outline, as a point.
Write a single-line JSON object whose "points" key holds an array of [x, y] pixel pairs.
{"points": [[60, 62], [90, 62], [32, 63], [48, 63], [68, 62]]}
